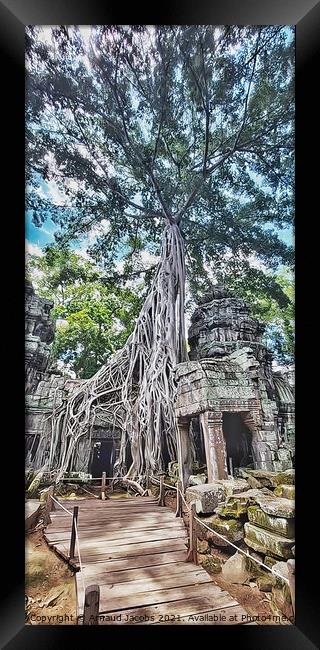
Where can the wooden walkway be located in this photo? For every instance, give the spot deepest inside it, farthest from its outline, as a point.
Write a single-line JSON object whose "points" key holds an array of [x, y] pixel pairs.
{"points": [[136, 551]]}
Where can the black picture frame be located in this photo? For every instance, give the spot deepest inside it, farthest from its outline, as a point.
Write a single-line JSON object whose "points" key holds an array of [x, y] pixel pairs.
{"points": [[14, 15]]}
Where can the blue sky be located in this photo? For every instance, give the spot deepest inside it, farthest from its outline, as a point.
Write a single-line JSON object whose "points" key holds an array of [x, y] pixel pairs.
{"points": [[40, 237]]}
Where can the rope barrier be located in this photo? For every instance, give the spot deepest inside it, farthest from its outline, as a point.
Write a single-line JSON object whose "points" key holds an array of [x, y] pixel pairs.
{"points": [[241, 551], [173, 487], [61, 506], [246, 554], [88, 491]]}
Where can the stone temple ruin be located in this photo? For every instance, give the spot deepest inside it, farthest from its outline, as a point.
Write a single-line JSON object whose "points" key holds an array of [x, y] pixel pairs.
{"points": [[232, 410], [46, 388], [242, 412]]}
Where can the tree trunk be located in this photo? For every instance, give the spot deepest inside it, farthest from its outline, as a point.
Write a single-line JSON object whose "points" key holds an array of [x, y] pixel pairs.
{"points": [[135, 389]]}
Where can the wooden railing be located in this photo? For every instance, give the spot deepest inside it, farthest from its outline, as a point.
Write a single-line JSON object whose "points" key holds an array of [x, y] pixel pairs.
{"points": [[92, 592]]}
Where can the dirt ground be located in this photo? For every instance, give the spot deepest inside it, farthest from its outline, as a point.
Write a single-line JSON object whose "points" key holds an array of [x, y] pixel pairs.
{"points": [[49, 585]]}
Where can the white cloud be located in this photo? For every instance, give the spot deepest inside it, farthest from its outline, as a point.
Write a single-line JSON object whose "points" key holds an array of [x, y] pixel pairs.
{"points": [[33, 249], [148, 259], [100, 228], [54, 193]]}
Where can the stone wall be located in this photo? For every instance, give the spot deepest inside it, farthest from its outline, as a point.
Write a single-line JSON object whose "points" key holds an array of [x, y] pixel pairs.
{"points": [[39, 334]]}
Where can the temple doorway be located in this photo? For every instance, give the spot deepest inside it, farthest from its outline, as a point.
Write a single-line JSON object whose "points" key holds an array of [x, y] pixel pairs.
{"points": [[238, 439], [102, 458]]}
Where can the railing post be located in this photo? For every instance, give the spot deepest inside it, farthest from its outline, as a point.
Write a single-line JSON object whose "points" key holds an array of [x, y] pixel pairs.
{"points": [[73, 532], [103, 486], [47, 504], [179, 499], [291, 577], [161, 493], [91, 605], [50, 503], [192, 552]]}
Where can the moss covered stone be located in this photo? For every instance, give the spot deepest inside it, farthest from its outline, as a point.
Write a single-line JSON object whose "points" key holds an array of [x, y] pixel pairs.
{"points": [[272, 479], [265, 582], [231, 529], [275, 506], [279, 525], [285, 491], [270, 561], [212, 564], [237, 504], [203, 546], [281, 596], [265, 541]]}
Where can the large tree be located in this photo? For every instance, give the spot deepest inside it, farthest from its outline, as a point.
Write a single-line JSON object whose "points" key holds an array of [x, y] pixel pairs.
{"points": [[176, 132]]}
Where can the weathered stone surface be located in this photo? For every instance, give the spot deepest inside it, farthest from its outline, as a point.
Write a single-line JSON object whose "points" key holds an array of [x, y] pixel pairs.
{"points": [[236, 569], [285, 491], [237, 504], [231, 529], [281, 597], [276, 506], [233, 486], [197, 479], [252, 482], [272, 479], [207, 497], [270, 561], [203, 546], [265, 582], [265, 541], [279, 525], [212, 564]]}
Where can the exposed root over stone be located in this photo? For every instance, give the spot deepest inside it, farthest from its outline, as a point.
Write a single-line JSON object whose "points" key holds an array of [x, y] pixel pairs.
{"points": [[134, 390]]}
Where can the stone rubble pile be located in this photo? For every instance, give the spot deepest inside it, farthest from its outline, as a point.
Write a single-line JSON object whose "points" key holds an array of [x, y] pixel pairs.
{"points": [[259, 520]]}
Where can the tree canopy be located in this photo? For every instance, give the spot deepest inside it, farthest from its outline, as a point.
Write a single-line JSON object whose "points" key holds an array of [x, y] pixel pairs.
{"points": [[139, 126], [93, 318]]}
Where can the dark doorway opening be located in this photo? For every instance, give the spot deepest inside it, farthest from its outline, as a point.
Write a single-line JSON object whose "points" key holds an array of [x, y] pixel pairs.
{"points": [[238, 439], [102, 458]]}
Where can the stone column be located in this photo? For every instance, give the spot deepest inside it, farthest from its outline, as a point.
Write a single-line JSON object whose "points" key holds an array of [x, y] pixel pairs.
{"points": [[184, 451], [211, 422]]}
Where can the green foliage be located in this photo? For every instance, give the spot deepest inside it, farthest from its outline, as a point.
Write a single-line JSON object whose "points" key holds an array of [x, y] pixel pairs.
{"points": [[277, 313], [94, 318], [141, 125]]}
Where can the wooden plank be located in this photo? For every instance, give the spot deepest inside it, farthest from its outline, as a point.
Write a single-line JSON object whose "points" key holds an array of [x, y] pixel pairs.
{"points": [[149, 560], [150, 584], [184, 607], [120, 528], [144, 598], [132, 550], [104, 576], [118, 538]]}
